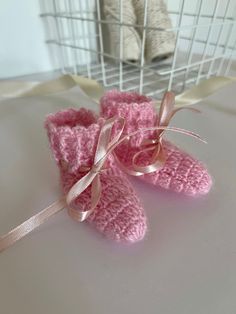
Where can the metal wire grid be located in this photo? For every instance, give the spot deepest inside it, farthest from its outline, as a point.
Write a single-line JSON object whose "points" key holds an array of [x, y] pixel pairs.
{"points": [[205, 44]]}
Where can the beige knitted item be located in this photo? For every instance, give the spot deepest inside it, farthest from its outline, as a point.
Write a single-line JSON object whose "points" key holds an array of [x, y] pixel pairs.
{"points": [[131, 39], [159, 44]]}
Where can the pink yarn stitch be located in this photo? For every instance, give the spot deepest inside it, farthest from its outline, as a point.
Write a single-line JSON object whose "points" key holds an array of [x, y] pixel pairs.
{"points": [[73, 136], [181, 172]]}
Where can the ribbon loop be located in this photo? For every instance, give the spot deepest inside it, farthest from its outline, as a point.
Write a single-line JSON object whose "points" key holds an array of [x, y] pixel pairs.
{"points": [[104, 146], [166, 113], [166, 109]]}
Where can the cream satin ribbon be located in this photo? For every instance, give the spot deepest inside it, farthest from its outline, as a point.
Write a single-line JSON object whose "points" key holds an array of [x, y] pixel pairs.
{"points": [[16, 89], [92, 89]]}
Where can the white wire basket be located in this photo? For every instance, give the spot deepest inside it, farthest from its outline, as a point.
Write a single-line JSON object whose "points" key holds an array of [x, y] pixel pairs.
{"points": [[203, 35]]}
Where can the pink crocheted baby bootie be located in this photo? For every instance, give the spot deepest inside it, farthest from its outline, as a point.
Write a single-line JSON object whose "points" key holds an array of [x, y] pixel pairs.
{"points": [[181, 172], [73, 136]]}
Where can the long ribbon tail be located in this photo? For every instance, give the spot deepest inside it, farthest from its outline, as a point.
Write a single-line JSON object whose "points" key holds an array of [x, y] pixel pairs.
{"points": [[35, 221], [202, 90], [16, 89], [30, 224], [93, 90]]}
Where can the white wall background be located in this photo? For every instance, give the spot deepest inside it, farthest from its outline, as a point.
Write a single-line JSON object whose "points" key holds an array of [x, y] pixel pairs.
{"points": [[22, 39], [22, 36]]}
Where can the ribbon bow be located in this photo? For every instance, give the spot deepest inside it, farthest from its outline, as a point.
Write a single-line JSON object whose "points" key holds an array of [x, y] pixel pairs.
{"points": [[104, 147], [158, 158]]}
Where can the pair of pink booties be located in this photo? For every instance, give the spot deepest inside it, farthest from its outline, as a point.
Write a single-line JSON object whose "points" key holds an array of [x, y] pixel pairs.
{"points": [[119, 215]]}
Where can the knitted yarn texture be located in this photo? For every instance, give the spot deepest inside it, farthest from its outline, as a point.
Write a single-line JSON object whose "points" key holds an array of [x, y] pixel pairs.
{"points": [[159, 43], [131, 41], [73, 136], [181, 172]]}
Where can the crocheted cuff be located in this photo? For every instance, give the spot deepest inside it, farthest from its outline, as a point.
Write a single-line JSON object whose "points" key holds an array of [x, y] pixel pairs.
{"points": [[137, 110], [73, 135]]}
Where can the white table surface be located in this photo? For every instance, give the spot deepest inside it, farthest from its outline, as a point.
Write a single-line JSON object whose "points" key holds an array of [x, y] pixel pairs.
{"points": [[185, 265]]}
